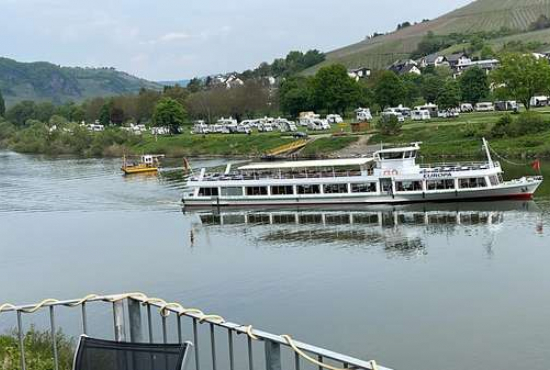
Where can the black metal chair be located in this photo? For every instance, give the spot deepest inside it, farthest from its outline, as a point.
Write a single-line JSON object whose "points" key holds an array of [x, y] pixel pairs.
{"points": [[99, 354]]}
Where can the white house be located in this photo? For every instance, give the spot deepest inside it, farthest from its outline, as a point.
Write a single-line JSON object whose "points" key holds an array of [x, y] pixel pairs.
{"points": [[434, 60], [459, 61], [486, 64], [359, 73], [402, 67]]}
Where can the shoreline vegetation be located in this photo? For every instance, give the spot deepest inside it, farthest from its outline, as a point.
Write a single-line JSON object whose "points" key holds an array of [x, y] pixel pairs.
{"points": [[526, 135], [107, 127]]}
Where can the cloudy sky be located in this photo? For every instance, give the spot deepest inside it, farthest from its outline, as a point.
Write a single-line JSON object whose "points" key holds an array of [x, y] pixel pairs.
{"points": [[177, 39]]}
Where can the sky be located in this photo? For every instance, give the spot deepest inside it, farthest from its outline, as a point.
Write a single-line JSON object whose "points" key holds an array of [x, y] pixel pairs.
{"points": [[180, 39]]}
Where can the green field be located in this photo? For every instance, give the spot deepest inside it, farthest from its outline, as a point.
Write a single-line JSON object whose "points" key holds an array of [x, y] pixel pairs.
{"points": [[447, 138], [211, 145]]}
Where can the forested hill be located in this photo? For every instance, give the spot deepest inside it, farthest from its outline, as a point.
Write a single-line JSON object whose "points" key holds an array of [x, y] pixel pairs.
{"points": [[42, 81]]}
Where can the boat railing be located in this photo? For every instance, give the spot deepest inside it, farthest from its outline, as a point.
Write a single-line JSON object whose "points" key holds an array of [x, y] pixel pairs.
{"points": [[134, 317], [457, 167], [280, 176]]}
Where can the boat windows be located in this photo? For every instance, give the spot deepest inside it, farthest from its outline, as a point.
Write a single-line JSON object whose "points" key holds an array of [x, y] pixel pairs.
{"points": [[308, 189], [208, 192], [410, 154], [256, 190], [494, 180], [392, 155], [440, 184], [282, 190], [367, 187], [335, 188], [472, 183], [408, 185], [232, 191]]}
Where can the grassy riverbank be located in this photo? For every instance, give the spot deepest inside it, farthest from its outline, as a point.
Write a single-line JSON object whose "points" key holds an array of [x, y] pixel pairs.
{"points": [[441, 138], [462, 137]]}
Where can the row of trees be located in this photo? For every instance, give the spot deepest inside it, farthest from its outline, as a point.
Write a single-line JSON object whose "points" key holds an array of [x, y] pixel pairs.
{"points": [[251, 99], [520, 77], [330, 90]]}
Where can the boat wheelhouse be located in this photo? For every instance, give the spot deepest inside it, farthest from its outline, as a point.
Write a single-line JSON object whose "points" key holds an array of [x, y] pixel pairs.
{"points": [[389, 176]]}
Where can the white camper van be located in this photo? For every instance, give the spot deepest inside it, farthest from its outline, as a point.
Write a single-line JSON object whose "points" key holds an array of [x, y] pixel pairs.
{"points": [[420, 115], [363, 115], [485, 107]]}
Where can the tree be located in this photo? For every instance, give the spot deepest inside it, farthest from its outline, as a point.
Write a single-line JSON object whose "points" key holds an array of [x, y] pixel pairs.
{"points": [[168, 112], [474, 85], [476, 43], [21, 112], [334, 90], [389, 125], [44, 111], [412, 88], [432, 87], [449, 97], [105, 114], [195, 85], [523, 76], [487, 52], [389, 90], [296, 95], [2, 105]]}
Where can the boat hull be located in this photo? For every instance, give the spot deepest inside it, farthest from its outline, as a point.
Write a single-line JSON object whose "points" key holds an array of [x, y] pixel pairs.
{"points": [[131, 171], [521, 190]]}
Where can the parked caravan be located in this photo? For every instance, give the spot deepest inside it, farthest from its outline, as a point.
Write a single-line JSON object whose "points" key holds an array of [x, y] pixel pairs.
{"points": [[449, 113], [504, 106], [318, 125], [466, 108], [539, 101], [485, 107], [420, 115], [363, 115], [387, 115], [432, 108], [404, 111], [334, 118]]}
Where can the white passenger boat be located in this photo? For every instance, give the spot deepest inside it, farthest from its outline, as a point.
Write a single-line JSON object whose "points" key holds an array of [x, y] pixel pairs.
{"points": [[390, 176]]}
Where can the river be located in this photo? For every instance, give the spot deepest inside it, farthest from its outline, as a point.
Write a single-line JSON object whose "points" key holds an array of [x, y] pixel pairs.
{"points": [[425, 287]]}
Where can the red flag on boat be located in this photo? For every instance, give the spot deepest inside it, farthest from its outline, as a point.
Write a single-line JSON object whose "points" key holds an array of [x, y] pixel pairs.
{"points": [[536, 165]]}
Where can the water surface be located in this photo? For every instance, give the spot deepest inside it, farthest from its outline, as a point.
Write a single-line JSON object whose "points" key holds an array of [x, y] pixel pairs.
{"points": [[423, 287]]}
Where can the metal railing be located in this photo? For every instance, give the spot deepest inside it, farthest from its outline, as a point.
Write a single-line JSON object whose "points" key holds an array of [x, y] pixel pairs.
{"points": [[278, 176], [131, 312]]}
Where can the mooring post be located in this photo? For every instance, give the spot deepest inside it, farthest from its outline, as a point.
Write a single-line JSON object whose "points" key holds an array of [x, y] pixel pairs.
{"points": [[134, 315], [272, 355], [118, 315]]}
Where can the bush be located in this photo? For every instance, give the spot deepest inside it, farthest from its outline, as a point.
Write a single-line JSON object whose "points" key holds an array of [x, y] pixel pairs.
{"points": [[502, 126], [525, 124], [529, 123], [38, 351], [476, 130], [389, 125]]}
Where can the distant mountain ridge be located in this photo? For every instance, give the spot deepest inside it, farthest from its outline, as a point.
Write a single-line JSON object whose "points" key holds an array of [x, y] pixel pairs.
{"points": [[43, 81], [478, 16]]}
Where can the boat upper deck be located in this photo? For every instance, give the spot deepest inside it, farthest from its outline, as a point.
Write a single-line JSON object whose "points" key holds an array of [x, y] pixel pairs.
{"points": [[272, 171]]}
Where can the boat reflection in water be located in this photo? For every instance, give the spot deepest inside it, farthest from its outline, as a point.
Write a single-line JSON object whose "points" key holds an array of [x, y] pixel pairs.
{"points": [[401, 230]]}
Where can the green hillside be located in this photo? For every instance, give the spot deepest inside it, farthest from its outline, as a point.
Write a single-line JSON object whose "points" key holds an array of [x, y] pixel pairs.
{"points": [[41, 81], [479, 16]]}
